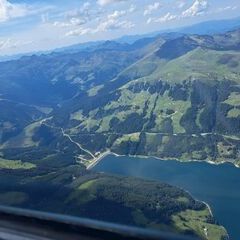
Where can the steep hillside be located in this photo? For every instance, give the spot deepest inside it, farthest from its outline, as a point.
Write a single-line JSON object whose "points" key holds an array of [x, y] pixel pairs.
{"points": [[170, 98], [182, 101], [176, 97]]}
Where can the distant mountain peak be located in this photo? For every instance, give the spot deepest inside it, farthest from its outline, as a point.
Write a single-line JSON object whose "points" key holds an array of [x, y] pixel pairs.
{"points": [[177, 47]]}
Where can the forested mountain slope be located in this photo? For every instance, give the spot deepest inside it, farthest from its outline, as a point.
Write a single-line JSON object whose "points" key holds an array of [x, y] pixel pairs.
{"points": [[180, 101], [170, 97]]}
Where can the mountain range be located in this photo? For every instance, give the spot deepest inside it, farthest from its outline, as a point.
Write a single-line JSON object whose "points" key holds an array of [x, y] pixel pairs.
{"points": [[171, 96], [209, 27]]}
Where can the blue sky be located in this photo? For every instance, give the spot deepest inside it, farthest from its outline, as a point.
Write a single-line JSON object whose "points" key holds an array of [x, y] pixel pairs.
{"points": [[33, 25]]}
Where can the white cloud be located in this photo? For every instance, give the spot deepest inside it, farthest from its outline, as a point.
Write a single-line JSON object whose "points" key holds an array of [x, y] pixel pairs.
{"points": [[223, 9], [83, 10], [132, 8], [106, 2], [86, 13], [78, 32], [114, 24], [9, 10], [198, 8], [4, 43], [45, 18], [112, 21], [166, 18], [152, 7], [181, 4], [109, 24], [117, 14], [13, 44], [70, 22], [78, 17], [86, 5], [150, 20]]}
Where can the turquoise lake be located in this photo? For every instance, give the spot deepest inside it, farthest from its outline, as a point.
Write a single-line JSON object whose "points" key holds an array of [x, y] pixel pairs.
{"points": [[218, 185]]}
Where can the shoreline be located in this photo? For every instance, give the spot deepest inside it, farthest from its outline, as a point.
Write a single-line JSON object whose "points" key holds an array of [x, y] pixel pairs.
{"points": [[201, 201], [182, 161], [105, 154], [108, 152], [158, 158], [208, 206]]}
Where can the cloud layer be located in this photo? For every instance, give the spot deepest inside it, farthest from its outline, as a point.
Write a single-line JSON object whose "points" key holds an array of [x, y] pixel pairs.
{"points": [[9, 11], [106, 2], [198, 8], [151, 8], [112, 21], [88, 20]]}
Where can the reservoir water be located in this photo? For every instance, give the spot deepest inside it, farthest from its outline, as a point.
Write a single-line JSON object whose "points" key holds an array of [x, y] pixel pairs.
{"points": [[218, 185]]}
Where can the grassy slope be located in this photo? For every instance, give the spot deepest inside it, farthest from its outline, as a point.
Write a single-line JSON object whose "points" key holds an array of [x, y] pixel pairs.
{"points": [[15, 164], [203, 64], [197, 220], [197, 64], [24, 139]]}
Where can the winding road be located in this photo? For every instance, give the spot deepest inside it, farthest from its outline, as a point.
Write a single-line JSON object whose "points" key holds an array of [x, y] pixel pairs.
{"points": [[78, 144], [95, 160]]}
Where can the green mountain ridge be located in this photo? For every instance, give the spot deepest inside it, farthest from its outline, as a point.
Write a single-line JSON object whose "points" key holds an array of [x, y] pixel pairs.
{"points": [[189, 104]]}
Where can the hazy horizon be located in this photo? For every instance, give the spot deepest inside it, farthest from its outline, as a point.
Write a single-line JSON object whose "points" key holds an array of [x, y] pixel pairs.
{"points": [[32, 26]]}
